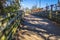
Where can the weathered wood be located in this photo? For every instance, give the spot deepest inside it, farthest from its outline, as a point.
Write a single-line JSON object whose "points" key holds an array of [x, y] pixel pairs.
{"points": [[11, 26]]}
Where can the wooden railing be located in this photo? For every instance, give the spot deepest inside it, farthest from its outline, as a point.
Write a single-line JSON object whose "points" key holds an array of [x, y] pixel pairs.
{"points": [[54, 16], [9, 25]]}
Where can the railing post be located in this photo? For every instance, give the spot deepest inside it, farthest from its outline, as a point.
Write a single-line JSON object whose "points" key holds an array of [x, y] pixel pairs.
{"points": [[50, 14], [56, 11], [47, 7]]}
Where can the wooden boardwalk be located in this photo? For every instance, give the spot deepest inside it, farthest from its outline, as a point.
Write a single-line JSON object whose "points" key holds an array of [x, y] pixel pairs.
{"points": [[39, 28]]}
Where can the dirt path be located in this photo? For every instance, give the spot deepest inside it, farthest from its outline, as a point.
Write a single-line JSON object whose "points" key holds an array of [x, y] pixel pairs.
{"points": [[38, 28]]}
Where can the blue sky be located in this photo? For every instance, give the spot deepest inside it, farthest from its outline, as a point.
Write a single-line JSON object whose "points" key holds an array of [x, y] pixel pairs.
{"points": [[30, 3]]}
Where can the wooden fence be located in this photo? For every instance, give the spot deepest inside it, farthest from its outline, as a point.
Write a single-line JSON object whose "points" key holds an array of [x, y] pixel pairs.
{"points": [[9, 25], [54, 16]]}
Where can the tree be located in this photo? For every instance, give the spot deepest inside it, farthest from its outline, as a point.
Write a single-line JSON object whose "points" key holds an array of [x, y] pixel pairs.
{"points": [[34, 7], [1, 5], [14, 5]]}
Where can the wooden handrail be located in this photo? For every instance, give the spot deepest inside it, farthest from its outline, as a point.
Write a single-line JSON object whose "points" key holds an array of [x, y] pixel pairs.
{"points": [[11, 26]]}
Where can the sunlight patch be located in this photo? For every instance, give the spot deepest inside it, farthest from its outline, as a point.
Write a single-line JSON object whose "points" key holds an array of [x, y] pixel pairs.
{"points": [[46, 23]]}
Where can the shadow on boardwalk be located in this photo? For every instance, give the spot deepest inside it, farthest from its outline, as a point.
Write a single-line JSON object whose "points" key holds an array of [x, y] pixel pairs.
{"points": [[42, 27]]}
